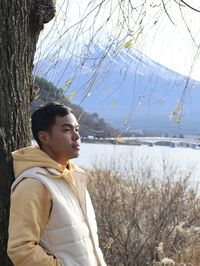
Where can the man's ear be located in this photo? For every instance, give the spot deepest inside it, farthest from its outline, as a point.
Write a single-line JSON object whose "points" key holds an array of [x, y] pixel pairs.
{"points": [[43, 137]]}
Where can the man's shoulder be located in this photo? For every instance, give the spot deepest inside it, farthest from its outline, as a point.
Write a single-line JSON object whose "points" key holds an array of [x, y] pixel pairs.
{"points": [[31, 185], [26, 174], [33, 171]]}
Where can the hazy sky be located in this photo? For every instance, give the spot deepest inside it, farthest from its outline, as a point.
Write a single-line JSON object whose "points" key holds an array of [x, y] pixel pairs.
{"points": [[168, 43]]}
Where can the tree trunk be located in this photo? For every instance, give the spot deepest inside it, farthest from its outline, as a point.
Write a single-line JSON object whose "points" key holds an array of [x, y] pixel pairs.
{"points": [[21, 23]]}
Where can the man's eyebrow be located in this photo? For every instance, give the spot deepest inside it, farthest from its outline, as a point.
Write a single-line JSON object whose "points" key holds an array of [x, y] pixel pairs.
{"points": [[69, 125]]}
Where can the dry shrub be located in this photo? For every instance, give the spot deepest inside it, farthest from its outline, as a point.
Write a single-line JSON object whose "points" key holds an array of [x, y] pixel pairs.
{"points": [[143, 220]]}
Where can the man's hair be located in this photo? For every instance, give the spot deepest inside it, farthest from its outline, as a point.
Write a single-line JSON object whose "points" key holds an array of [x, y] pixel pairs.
{"points": [[44, 117]]}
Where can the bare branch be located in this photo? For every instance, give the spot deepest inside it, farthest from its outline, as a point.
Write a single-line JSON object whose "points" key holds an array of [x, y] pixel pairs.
{"points": [[193, 8], [164, 6]]}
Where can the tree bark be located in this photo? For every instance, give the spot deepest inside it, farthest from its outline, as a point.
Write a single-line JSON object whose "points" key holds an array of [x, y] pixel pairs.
{"points": [[21, 23]]}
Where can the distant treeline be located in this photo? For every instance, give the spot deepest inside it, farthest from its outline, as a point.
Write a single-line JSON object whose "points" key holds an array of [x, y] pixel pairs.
{"points": [[90, 124]]}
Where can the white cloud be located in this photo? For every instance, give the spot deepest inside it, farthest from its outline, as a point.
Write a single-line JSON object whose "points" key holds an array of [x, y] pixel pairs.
{"points": [[172, 45], [164, 42]]}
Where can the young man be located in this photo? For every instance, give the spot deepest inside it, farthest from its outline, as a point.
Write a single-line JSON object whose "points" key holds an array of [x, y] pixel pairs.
{"points": [[52, 221]]}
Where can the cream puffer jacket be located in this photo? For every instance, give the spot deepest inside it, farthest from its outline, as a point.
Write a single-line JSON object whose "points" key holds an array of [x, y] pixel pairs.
{"points": [[71, 232]]}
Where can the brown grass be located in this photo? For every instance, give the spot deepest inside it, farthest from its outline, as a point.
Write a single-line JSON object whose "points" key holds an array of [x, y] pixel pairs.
{"points": [[145, 219]]}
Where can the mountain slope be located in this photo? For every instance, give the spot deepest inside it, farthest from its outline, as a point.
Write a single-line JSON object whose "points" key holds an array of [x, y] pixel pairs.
{"points": [[128, 88], [90, 124]]}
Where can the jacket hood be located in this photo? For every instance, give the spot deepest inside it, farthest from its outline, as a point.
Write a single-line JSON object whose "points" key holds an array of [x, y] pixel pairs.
{"points": [[33, 156]]}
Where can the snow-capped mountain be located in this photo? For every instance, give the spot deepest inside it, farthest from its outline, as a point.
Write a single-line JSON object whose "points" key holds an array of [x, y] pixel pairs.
{"points": [[127, 88]]}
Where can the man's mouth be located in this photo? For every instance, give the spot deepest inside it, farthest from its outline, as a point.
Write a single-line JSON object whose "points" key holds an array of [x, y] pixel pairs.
{"points": [[76, 146]]}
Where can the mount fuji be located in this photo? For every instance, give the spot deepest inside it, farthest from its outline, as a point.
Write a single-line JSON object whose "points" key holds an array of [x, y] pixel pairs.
{"points": [[127, 89]]}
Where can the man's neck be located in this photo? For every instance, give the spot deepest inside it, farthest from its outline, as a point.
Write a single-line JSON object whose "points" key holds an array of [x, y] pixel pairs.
{"points": [[55, 157]]}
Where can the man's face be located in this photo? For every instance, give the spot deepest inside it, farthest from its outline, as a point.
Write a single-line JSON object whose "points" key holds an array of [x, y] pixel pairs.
{"points": [[63, 140]]}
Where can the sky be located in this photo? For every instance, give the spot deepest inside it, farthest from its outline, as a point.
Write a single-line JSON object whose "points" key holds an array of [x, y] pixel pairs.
{"points": [[170, 37], [171, 44]]}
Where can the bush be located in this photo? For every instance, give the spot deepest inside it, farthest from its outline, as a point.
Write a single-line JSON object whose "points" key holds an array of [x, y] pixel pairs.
{"points": [[146, 220]]}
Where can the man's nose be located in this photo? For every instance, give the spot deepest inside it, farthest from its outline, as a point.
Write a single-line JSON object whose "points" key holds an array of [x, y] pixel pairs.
{"points": [[76, 135]]}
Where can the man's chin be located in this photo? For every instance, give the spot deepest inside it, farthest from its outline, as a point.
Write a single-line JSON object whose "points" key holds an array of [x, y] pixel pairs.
{"points": [[76, 155]]}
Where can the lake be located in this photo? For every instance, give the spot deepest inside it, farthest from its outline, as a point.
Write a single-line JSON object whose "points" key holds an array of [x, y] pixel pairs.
{"points": [[126, 158]]}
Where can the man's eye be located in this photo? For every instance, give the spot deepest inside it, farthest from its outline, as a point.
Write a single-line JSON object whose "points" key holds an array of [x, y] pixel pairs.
{"points": [[66, 129]]}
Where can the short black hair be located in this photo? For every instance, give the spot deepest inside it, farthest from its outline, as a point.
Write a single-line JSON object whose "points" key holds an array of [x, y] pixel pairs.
{"points": [[44, 117]]}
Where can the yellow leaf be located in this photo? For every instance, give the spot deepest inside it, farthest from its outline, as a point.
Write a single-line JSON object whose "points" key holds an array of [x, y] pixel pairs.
{"points": [[126, 120], [128, 44], [179, 115], [67, 83], [80, 116], [171, 115], [138, 34], [71, 95]]}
